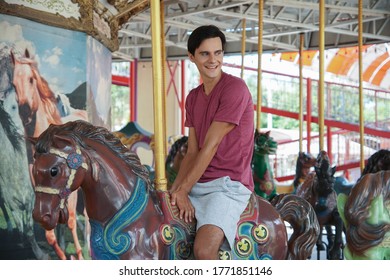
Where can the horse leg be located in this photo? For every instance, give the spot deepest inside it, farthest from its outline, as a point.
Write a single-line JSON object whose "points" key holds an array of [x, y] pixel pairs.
{"points": [[52, 240], [335, 252], [329, 235], [72, 223], [320, 243], [87, 232]]}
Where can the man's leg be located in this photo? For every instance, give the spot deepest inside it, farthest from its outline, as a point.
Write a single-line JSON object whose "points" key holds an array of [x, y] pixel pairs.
{"points": [[208, 240]]}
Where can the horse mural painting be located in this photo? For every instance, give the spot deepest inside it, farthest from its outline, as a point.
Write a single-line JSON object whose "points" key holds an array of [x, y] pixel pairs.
{"points": [[16, 191], [366, 211], [131, 220], [318, 190], [38, 108]]}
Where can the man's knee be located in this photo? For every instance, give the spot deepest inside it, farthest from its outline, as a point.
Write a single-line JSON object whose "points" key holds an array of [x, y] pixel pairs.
{"points": [[205, 251], [208, 240]]}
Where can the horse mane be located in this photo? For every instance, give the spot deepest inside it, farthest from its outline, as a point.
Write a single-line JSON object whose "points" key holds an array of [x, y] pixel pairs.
{"points": [[7, 68], [77, 130], [46, 95], [380, 160], [175, 148], [362, 235], [264, 143]]}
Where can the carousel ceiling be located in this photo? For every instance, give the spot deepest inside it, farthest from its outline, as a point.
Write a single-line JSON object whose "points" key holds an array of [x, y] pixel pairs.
{"points": [[283, 22], [124, 26]]}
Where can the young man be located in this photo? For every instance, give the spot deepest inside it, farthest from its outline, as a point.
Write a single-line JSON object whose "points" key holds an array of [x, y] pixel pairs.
{"points": [[215, 180]]}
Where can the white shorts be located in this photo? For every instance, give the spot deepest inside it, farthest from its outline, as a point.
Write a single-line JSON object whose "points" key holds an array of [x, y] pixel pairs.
{"points": [[220, 202]]}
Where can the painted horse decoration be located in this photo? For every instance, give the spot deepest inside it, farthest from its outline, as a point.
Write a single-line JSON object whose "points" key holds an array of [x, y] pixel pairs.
{"points": [[262, 172], [132, 220], [366, 211], [16, 190], [39, 107], [318, 190]]}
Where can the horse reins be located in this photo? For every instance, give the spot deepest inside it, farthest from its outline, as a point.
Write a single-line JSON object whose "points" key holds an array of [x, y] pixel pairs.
{"points": [[74, 161]]}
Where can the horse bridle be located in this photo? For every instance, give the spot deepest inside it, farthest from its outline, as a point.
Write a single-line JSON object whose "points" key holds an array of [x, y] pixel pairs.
{"points": [[74, 161]]}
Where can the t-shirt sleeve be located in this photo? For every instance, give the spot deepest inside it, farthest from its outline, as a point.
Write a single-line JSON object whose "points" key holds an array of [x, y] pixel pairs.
{"points": [[233, 102], [189, 116]]}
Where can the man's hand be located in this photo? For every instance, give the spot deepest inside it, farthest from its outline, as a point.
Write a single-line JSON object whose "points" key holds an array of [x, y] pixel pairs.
{"points": [[179, 197]]}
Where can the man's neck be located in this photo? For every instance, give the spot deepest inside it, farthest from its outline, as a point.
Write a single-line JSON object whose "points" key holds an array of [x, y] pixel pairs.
{"points": [[209, 84]]}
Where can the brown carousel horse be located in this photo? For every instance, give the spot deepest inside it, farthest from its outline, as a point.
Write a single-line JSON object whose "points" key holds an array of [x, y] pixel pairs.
{"points": [[38, 108], [131, 220], [318, 190], [305, 161], [366, 211]]}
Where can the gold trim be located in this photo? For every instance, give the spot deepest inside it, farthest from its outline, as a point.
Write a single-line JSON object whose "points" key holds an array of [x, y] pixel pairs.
{"points": [[85, 23]]}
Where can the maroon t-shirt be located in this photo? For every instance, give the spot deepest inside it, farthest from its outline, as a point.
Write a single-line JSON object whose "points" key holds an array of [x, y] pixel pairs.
{"points": [[230, 101]]}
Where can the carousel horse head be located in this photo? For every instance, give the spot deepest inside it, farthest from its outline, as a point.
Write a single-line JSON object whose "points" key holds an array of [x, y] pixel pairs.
{"points": [[325, 176], [305, 162], [378, 161], [176, 155], [62, 163], [264, 143]]}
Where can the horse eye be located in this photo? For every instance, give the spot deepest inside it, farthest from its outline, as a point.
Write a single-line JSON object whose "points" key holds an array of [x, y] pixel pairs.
{"points": [[54, 171], [31, 80]]}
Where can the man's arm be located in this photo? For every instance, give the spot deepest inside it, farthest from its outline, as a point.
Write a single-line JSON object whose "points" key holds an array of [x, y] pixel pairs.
{"points": [[194, 164]]}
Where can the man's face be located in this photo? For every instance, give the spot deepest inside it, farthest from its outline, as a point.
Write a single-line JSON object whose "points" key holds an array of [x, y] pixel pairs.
{"points": [[208, 58]]}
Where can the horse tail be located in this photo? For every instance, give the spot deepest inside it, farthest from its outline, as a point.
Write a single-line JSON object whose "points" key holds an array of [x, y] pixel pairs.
{"points": [[302, 217]]}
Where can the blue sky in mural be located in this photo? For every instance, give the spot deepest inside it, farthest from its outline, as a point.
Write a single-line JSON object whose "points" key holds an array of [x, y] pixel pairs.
{"points": [[61, 55]]}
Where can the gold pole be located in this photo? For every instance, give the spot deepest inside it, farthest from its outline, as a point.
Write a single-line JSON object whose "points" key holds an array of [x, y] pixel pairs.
{"points": [[160, 179], [361, 96], [243, 40], [164, 87], [321, 122], [259, 54], [301, 92]]}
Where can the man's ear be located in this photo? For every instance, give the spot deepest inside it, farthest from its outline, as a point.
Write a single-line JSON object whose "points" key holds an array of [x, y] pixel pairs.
{"points": [[190, 56]]}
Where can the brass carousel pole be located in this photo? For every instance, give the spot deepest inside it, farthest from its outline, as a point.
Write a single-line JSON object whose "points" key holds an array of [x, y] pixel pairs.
{"points": [[164, 64], [160, 179], [321, 84], [301, 92], [259, 54], [361, 96], [243, 40]]}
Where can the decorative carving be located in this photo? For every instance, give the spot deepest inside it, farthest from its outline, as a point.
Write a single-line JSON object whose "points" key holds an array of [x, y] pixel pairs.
{"points": [[91, 17]]}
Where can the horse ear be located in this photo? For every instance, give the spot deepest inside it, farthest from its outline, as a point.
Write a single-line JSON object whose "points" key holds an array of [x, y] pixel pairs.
{"points": [[26, 53], [62, 141]]}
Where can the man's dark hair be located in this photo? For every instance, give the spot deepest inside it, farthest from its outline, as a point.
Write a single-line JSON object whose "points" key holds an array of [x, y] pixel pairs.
{"points": [[202, 33]]}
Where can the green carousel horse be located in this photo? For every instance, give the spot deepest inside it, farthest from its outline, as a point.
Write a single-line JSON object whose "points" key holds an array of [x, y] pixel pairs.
{"points": [[262, 172], [173, 161], [366, 211]]}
